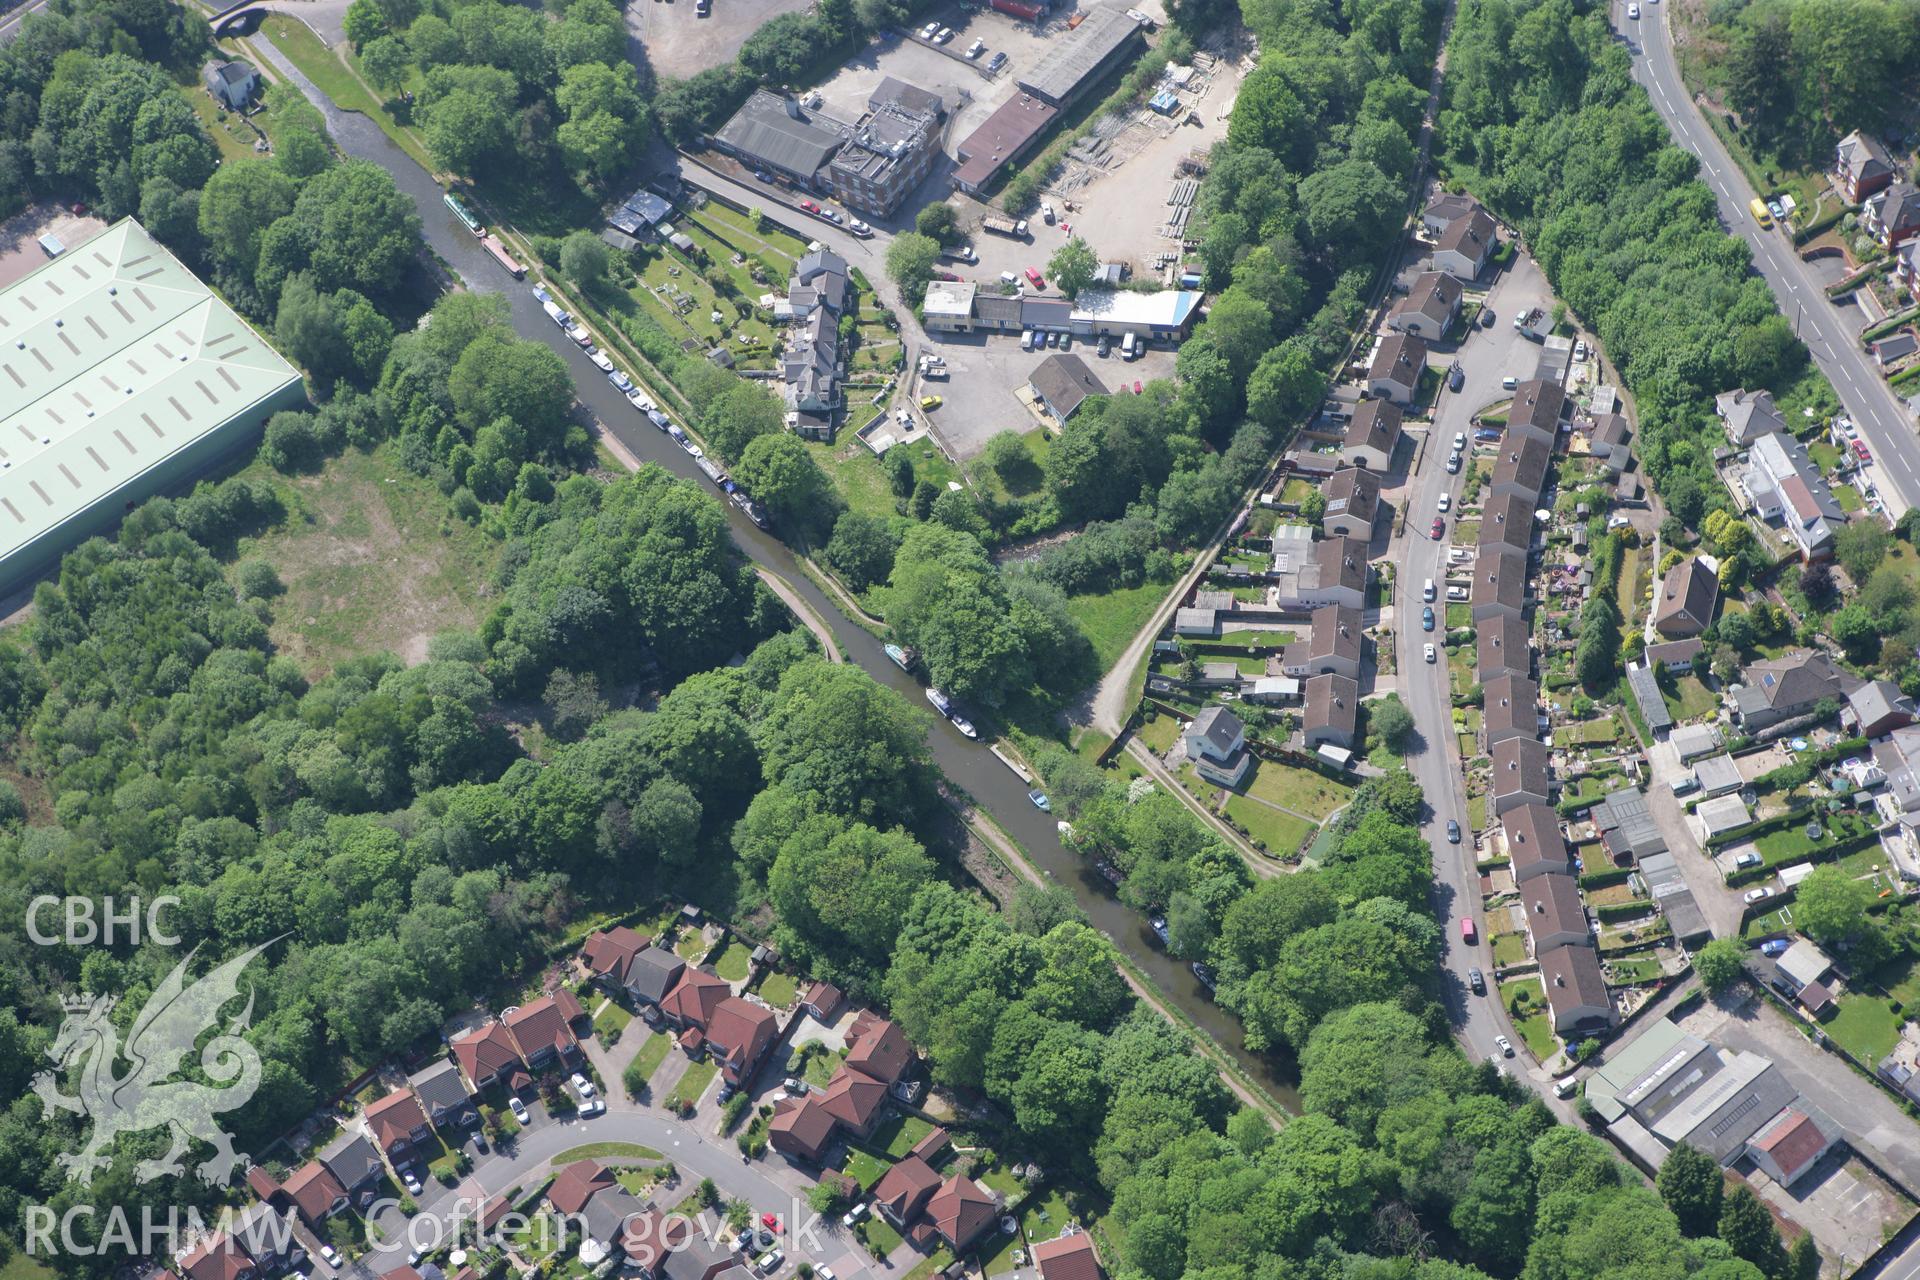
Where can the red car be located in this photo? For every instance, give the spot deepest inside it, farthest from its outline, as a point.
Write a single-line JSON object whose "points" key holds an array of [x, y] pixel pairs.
{"points": [[1136, 388], [1466, 930], [1860, 451], [1034, 278], [810, 206], [945, 275], [1439, 528]]}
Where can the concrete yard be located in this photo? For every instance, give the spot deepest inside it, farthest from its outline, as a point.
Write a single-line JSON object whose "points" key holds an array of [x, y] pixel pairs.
{"points": [[676, 43], [20, 250]]}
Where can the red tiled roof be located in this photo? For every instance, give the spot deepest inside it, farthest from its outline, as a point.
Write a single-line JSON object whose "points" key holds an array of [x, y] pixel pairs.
{"points": [[825, 997], [485, 1051], [607, 952], [853, 1098], [493, 1210], [261, 1183], [648, 1237], [1067, 1258], [695, 997], [801, 1126], [961, 1209], [906, 1188], [217, 1257], [932, 1144], [1793, 1142], [540, 1023], [740, 1032], [568, 1004], [691, 1039], [878, 1048], [314, 1190], [578, 1183], [394, 1118]]}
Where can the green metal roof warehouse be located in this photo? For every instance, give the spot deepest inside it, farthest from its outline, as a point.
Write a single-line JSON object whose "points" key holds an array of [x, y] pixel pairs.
{"points": [[120, 374]]}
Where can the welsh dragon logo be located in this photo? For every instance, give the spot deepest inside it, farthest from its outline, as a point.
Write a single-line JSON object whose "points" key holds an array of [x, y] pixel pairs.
{"points": [[147, 1097]]}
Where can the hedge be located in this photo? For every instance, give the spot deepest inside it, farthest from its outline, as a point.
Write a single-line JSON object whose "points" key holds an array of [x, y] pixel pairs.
{"points": [[1602, 879], [1819, 226], [1612, 911]]}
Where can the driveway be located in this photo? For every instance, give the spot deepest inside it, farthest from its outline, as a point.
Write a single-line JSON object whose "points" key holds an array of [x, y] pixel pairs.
{"points": [[1721, 905]]}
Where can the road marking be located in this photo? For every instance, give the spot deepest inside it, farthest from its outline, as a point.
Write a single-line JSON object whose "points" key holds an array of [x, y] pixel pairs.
{"points": [[1847, 372]]}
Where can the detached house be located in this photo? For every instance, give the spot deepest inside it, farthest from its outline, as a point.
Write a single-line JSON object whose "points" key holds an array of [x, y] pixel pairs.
{"points": [[231, 84], [1781, 688], [1444, 210], [738, 1037], [354, 1164], [218, 1257], [1463, 248], [1353, 502], [1067, 1257], [488, 1056], [1430, 307], [1577, 999], [1861, 167], [543, 1028], [315, 1192], [1782, 483], [1399, 362], [607, 954], [1216, 743], [1373, 433], [695, 998], [1684, 603], [1748, 415], [442, 1093], [397, 1123], [961, 1211], [1892, 216]]}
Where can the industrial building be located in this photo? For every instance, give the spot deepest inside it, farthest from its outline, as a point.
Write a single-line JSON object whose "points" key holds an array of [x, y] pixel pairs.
{"points": [[120, 374], [869, 165], [960, 307]]}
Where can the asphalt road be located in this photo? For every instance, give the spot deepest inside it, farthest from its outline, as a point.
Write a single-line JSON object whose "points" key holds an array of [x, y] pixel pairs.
{"points": [[1831, 333], [10, 25], [968, 765]]}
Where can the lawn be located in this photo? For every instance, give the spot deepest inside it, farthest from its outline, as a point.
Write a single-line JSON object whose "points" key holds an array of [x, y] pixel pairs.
{"points": [[931, 1265], [1250, 639], [996, 1254], [1596, 732], [897, 1134], [19, 1266], [691, 946], [779, 990], [1000, 1178], [607, 1151], [653, 1053], [371, 559], [1631, 969], [1045, 1214], [1865, 1026], [1281, 833], [864, 1167], [1111, 619], [1159, 733], [1901, 980], [228, 129], [1790, 843], [611, 1021], [821, 1066], [877, 1235], [692, 1085], [1690, 699], [1302, 790], [1509, 948], [1533, 1025], [735, 963]]}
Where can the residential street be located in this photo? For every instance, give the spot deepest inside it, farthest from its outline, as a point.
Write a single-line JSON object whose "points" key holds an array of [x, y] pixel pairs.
{"points": [[1831, 333]]}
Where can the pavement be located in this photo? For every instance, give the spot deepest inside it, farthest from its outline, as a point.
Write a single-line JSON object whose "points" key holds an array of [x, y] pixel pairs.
{"points": [[1829, 332]]}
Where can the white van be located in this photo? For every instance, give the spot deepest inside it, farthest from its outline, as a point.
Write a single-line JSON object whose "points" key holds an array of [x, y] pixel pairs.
{"points": [[1026, 340], [1509, 382], [1130, 346], [1430, 593]]}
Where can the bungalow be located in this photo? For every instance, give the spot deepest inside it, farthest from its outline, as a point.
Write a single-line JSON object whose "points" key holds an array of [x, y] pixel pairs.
{"points": [[1577, 998], [738, 1037], [1777, 689], [488, 1056], [1502, 647], [1507, 520], [1062, 383], [1861, 167], [1373, 433], [1463, 248], [1684, 606], [1353, 501], [1334, 645], [1499, 584], [1394, 372], [1519, 774], [1067, 1257], [1524, 466], [1511, 708], [1430, 307], [397, 1123], [1333, 712], [218, 1257], [1537, 408], [1792, 1143], [543, 1028], [694, 998], [1554, 913], [1534, 845], [1216, 743], [1893, 215], [442, 1093], [1748, 415], [961, 1211], [904, 1190], [354, 1164]]}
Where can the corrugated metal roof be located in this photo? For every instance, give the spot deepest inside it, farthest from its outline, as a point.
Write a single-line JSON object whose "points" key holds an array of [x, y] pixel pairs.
{"points": [[113, 358]]}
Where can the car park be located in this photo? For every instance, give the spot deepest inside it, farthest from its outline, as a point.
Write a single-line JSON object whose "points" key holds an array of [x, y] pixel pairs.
{"points": [[1035, 279], [1426, 618], [997, 61], [943, 35], [1477, 981], [1506, 1046], [977, 48], [1046, 212], [1430, 654]]}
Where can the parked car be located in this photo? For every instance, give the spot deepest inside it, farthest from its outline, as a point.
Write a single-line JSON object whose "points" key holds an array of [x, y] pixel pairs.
{"points": [[770, 1262], [1467, 931], [943, 35], [411, 1181], [1486, 317], [1446, 502], [1746, 860], [1861, 451], [1633, 13], [1046, 212], [1477, 981], [926, 32], [519, 1110], [1439, 529], [1430, 654], [330, 1255], [854, 1214], [931, 402], [1426, 618], [810, 206], [1453, 831], [1506, 1046], [1102, 347], [1564, 1089], [1774, 947], [997, 61], [591, 1108], [974, 50], [1453, 463], [1459, 441], [582, 1085], [1757, 895], [1035, 279]]}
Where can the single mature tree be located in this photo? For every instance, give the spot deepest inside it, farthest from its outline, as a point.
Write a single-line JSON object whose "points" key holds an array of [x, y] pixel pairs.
{"points": [[1832, 908], [778, 470], [910, 262], [241, 200], [1860, 546], [1072, 266], [385, 61], [939, 222], [1719, 964], [850, 745], [1390, 719], [1747, 1227], [585, 260], [1803, 1260], [1691, 1184]]}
